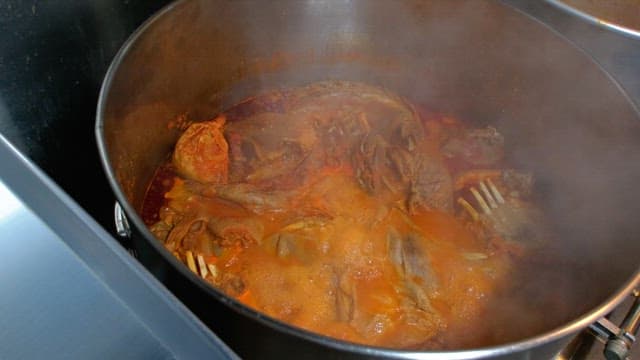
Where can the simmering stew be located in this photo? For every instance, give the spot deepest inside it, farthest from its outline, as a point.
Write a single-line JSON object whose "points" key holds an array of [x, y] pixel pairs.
{"points": [[341, 208]]}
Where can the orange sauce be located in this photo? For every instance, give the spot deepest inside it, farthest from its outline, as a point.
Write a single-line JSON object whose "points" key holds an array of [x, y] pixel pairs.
{"points": [[325, 261]]}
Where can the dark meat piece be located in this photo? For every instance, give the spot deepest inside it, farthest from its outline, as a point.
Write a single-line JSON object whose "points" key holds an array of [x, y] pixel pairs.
{"points": [[268, 146], [332, 124], [161, 230], [412, 264], [373, 167], [275, 141], [254, 198], [285, 245], [351, 307], [385, 158], [317, 125], [431, 188], [298, 240], [289, 245], [406, 253], [403, 163], [478, 147], [340, 132], [236, 231], [345, 302], [422, 179], [189, 233]]}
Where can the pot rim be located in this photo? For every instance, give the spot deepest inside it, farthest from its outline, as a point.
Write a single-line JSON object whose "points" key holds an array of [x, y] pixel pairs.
{"points": [[594, 19], [557, 334]]}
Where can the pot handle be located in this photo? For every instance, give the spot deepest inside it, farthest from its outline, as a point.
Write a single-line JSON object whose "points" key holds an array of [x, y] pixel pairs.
{"points": [[618, 340], [123, 229], [122, 223]]}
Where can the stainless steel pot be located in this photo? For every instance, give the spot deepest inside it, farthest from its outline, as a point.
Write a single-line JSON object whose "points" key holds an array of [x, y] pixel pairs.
{"points": [[563, 117], [620, 15]]}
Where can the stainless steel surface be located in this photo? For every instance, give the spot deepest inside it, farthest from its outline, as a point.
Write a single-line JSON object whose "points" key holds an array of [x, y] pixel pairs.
{"points": [[589, 345], [622, 16], [618, 340], [551, 93], [69, 291], [619, 54], [620, 343], [631, 322], [604, 329], [122, 224]]}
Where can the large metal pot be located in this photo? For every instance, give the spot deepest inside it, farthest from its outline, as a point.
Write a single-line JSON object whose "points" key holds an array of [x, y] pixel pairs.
{"points": [[484, 62]]}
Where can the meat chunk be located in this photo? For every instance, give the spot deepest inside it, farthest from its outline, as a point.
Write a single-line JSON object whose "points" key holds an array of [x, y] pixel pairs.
{"points": [[236, 231], [373, 167], [431, 188], [269, 146], [385, 157], [371, 316], [379, 303], [345, 302], [323, 124], [189, 233], [291, 245], [300, 240], [201, 153], [411, 263], [422, 180], [254, 198]]}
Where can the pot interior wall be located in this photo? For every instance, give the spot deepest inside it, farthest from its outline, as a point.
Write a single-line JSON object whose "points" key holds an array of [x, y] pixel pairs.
{"points": [[482, 62]]}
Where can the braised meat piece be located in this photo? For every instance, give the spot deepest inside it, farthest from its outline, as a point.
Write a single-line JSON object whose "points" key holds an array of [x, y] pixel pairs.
{"points": [[300, 241], [252, 197], [412, 265], [202, 153], [319, 125], [236, 231], [268, 146], [431, 188]]}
